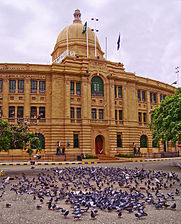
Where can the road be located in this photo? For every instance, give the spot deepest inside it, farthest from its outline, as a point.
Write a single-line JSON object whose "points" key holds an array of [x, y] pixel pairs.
{"points": [[23, 209]]}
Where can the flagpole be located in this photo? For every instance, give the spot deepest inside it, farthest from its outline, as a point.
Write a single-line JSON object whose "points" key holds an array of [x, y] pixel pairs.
{"points": [[87, 42], [95, 30], [67, 40], [95, 44], [106, 47], [177, 72]]}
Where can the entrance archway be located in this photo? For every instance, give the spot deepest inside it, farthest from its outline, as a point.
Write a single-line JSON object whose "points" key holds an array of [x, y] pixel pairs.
{"points": [[99, 144]]}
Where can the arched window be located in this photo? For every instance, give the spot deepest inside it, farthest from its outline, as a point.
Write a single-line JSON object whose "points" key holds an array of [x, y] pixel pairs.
{"points": [[143, 141], [42, 140], [97, 86]]}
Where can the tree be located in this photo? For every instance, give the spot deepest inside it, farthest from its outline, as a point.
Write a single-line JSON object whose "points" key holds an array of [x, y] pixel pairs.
{"points": [[166, 119], [18, 136], [5, 136]]}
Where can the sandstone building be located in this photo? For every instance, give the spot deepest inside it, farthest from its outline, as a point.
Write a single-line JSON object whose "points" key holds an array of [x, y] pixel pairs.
{"points": [[85, 103]]}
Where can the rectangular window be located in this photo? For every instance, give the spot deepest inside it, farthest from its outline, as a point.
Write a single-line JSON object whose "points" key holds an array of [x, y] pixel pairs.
{"points": [[41, 112], [120, 115], [20, 86], [119, 141], [154, 97], [139, 117], [78, 88], [139, 95], [72, 113], [72, 88], [12, 86], [20, 112], [33, 86], [143, 96], [11, 112], [144, 117], [1, 86], [162, 97], [33, 112], [94, 116], [42, 86], [115, 91], [101, 114], [119, 91], [1, 112], [151, 97], [116, 115], [76, 141], [78, 113]]}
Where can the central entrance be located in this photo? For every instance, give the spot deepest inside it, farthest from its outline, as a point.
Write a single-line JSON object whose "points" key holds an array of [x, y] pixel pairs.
{"points": [[99, 144]]}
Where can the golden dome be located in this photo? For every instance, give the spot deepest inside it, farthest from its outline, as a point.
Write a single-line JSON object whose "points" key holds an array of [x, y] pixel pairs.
{"points": [[77, 40]]}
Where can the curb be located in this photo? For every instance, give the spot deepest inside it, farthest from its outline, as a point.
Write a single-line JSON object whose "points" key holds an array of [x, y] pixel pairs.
{"points": [[47, 163], [83, 163], [155, 160]]}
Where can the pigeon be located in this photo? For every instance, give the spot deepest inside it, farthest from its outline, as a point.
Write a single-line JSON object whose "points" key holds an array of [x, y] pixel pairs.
{"points": [[177, 192], [173, 206], [38, 207], [8, 205], [66, 213], [92, 188], [139, 215], [93, 215], [119, 213]]}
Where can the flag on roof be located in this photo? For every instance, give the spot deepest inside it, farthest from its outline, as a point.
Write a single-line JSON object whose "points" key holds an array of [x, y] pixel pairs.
{"points": [[118, 42], [85, 27], [174, 83]]}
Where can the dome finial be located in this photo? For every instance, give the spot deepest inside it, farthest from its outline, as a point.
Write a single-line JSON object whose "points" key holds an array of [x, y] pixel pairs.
{"points": [[77, 16]]}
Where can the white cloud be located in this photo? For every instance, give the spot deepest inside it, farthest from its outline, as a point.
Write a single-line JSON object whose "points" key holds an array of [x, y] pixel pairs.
{"points": [[151, 31]]}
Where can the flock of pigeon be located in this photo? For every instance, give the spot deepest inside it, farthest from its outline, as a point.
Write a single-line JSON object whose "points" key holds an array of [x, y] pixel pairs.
{"points": [[87, 190]]}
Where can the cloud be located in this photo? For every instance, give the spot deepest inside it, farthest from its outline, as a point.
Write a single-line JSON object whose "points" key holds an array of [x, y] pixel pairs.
{"points": [[151, 31]]}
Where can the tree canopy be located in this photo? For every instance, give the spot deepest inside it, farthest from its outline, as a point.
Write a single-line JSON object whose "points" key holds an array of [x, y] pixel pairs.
{"points": [[18, 136], [166, 119]]}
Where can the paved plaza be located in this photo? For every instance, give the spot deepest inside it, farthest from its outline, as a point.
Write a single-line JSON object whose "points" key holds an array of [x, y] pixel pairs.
{"points": [[23, 207]]}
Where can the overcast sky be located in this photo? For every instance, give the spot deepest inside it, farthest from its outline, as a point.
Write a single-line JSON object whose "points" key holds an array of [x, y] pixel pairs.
{"points": [[150, 30]]}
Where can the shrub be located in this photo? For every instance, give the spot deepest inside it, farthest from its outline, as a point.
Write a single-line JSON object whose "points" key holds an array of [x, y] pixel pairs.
{"points": [[87, 156]]}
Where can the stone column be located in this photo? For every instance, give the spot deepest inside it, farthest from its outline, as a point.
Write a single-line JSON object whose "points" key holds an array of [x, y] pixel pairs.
{"points": [[58, 106], [27, 97], [48, 98], [67, 101], [111, 104], [85, 100], [5, 100]]}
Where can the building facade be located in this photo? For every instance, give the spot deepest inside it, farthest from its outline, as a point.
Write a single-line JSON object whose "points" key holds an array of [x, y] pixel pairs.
{"points": [[82, 101]]}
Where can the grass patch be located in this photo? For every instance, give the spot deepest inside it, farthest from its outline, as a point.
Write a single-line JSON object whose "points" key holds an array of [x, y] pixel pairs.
{"points": [[125, 155], [87, 156]]}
